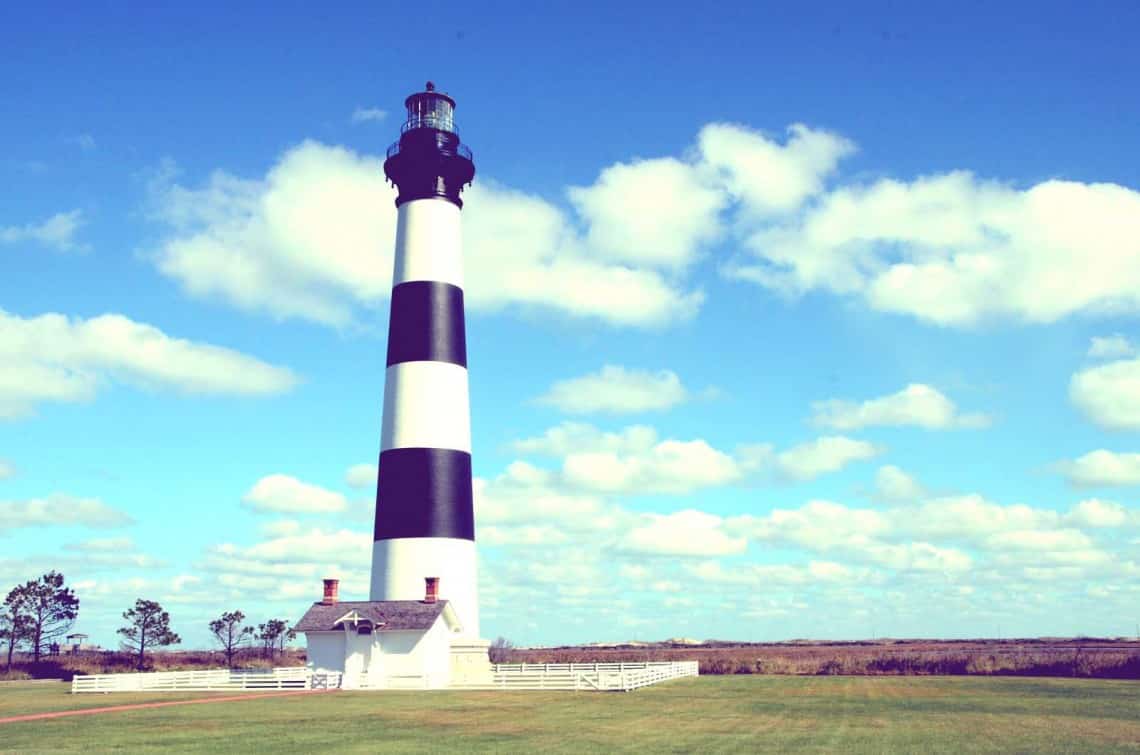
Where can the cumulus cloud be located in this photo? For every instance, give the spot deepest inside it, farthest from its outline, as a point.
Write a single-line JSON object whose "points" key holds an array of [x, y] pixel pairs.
{"points": [[1112, 347], [654, 213], [670, 466], [361, 476], [684, 533], [290, 566], [893, 485], [55, 358], [60, 510], [636, 459], [1096, 513], [948, 534], [569, 437], [860, 534], [916, 404], [969, 518], [525, 495], [368, 115], [1109, 394], [282, 493], [823, 455], [58, 232], [953, 249], [1102, 467], [767, 177], [103, 545], [313, 239], [616, 390]]}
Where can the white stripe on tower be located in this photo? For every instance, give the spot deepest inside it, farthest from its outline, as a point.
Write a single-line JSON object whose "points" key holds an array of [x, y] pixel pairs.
{"points": [[424, 513]]}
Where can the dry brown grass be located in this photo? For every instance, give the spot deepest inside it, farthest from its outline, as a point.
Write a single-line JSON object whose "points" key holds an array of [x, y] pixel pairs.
{"points": [[1072, 658], [113, 662]]}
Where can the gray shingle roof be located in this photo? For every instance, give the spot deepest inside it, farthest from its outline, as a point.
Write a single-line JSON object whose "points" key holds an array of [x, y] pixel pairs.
{"points": [[385, 615]]}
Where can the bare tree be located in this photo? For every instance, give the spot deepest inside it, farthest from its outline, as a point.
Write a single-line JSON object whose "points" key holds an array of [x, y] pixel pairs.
{"points": [[230, 634], [149, 628], [273, 635], [500, 649], [49, 610]]}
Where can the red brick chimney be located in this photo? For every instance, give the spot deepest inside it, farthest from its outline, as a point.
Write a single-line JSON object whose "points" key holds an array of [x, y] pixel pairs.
{"points": [[431, 589], [330, 592]]}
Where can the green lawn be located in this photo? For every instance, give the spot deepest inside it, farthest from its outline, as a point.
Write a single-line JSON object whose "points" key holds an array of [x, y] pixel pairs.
{"points": [[707, 714]]}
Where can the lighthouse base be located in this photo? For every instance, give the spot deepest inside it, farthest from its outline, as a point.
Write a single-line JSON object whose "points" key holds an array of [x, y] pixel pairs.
{"points": [[470, 662]]}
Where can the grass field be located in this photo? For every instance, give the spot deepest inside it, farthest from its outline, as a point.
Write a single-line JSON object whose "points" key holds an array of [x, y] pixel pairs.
{"points": [[707, 714]]}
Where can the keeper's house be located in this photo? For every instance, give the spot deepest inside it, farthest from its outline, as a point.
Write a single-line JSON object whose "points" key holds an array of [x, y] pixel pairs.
{"points": [[382, 643]]}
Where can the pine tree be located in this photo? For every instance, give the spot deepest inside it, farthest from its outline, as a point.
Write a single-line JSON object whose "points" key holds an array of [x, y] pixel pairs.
{"points": [[149, 628]]}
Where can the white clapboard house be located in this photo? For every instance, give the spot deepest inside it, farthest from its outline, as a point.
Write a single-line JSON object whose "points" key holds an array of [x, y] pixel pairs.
{"points": [[384, 644]]}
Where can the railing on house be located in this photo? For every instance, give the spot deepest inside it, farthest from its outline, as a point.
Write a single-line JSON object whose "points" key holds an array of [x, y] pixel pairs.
{"points": [[214, 679]]}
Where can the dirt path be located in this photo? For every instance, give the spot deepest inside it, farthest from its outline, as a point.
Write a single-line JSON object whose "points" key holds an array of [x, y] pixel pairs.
{"points": [[141, 706]]}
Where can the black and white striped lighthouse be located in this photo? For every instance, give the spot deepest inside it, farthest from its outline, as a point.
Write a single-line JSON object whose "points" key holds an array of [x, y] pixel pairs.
{"points": [[425, 526]]}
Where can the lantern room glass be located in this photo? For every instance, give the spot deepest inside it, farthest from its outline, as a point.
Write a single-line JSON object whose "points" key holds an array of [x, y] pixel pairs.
{"points": [[430, 110]]}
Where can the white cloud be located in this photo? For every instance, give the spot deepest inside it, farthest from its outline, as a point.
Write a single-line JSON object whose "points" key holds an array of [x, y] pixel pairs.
{"points": [[1109, 395], [860, 534], [953, 249], [918, 556], [522, 251], [765, 176], [893, 485], [361, 476], [916, 404], [526, 496], [571, 437], [1112, 347], [817, 525], [342, 545], [969, 518], [54, 358], [311, 237], [283, 493], [671, 466], [684, 533], [1103, 467], [6, 470], [947, 535], [655, 213], [368, 115], [103, 545], [616, 390], [58, 231], [314, 238], [1094, 512], [823, 455], [60, 510], [291, 565]]}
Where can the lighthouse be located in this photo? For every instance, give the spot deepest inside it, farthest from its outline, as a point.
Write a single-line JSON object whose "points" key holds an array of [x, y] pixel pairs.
{"points": [[425, 525], [420, 627]]}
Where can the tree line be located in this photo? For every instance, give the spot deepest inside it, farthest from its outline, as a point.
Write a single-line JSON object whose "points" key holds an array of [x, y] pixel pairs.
{"points": [[36, 614]]}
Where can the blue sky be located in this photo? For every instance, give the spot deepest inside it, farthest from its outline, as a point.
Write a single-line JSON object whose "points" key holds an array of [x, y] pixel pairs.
{"points": [[782, 322]]}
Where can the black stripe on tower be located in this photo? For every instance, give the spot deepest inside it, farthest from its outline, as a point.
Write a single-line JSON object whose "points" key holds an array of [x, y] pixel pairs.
{"points": [[424, 492], [426, 324]]}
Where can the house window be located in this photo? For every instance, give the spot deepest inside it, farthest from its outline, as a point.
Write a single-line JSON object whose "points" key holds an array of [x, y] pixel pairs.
{"points": [[364, 630]]}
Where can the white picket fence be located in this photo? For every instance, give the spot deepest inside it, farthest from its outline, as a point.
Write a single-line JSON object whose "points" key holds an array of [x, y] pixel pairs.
{"points": [[512, 676], [293, 677], [583, 676]]}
